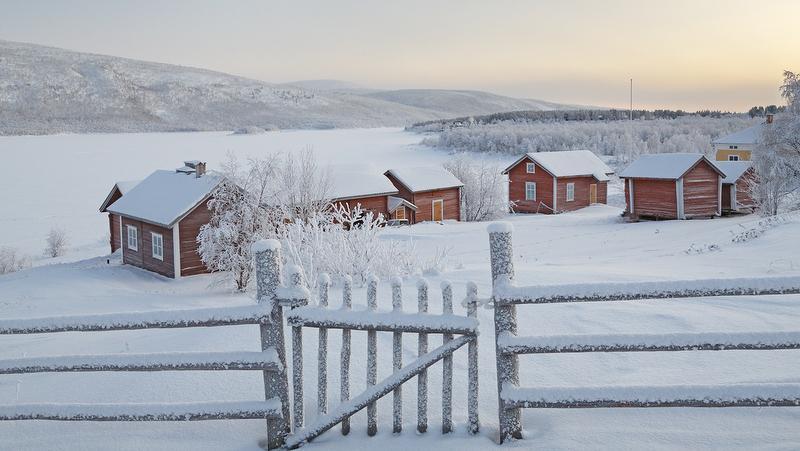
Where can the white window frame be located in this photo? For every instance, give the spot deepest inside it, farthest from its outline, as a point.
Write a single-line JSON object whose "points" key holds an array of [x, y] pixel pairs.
{"points": [[733, 157], [528, 186], [530, 168], [157, 250], [570, 192], [132, 232]]}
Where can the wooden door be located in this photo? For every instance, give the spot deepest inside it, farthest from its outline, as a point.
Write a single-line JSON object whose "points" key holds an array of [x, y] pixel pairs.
{"points": [[400, 212], [438, 209], [593, 193]]}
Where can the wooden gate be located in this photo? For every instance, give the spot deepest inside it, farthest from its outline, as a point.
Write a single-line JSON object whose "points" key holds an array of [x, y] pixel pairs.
{"points": [[422, 324], [512, 397]]}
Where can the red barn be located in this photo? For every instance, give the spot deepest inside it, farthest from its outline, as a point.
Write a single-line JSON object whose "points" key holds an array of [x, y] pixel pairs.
{"points": [[160, 218], [739, 177], [555, 182], [431, 193], [673, 186]]}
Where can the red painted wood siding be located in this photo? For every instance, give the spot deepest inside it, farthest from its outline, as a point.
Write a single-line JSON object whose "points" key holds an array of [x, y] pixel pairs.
{"points": [[375, 204], [517, 176], [652, 198], [113, 226], [700, 191], [581, 192], [143, 257], [424, 202], [189, 228]]}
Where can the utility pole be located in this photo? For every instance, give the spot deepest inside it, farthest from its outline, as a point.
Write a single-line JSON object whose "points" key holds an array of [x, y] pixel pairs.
{"points": [[631, 110]]}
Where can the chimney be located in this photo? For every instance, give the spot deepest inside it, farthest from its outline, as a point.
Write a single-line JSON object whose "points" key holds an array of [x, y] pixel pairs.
{"points": [[200, 169], [770, 117]]}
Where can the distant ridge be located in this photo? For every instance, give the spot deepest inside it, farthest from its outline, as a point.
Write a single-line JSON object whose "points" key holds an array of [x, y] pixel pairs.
{"points": [[46, 90]]}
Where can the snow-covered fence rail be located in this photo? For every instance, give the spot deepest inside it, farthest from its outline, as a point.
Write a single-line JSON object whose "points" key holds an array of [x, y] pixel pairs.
{"points": [[267, 314], [422, 324], [512, 397]]}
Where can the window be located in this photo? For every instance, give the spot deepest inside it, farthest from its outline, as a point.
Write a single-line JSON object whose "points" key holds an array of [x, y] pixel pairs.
{"points": [[530, 168], [133, 238], [158, 245], [530, 190], [733, 157], [570, 192], [733, 147]]}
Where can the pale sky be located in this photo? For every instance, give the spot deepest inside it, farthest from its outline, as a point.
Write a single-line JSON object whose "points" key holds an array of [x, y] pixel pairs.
{"points": [[720, 54]]}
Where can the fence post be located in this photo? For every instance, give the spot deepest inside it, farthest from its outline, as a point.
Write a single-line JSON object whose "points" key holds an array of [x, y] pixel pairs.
{"points": [[447, 364], [397, 357], [372, 355], [276, 384], [422, 349], [323, 284], [472, 363], [344, 370], [296, 280], [505, 321]]}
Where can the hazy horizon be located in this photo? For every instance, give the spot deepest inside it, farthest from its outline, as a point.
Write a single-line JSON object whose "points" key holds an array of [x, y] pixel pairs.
{"points": [[726, 55]]}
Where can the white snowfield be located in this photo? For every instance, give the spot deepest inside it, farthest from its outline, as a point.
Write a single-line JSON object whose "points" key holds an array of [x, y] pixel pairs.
{"points": [[590, 247]]}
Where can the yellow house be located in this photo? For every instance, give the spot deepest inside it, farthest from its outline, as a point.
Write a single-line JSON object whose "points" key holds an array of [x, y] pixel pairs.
{"points": [[739, 146]]}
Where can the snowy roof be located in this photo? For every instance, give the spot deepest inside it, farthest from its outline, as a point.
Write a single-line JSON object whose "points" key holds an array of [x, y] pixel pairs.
{"points": [[350, 184], [669, 166], [569, 163], [123, 187], [733, 169], [395, 202], [425, 178], [164, 197], [750, 135]]}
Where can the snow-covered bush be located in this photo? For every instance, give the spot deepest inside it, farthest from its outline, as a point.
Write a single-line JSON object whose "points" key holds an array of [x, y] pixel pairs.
{"points": [[483, 196], [11, 260], [56, 243], [342, 242]]}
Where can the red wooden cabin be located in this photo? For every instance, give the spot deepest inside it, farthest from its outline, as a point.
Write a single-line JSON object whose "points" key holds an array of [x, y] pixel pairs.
{"points": [[673, 186], [555, 182], [160, 218], [431, 194]]}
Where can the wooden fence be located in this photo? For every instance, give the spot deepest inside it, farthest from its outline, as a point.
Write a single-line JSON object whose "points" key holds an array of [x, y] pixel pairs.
{"points": [[512, 397], [272, 297]]}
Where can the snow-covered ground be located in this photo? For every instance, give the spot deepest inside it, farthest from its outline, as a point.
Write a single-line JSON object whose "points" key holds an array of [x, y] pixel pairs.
{"points": [[586, 246]]}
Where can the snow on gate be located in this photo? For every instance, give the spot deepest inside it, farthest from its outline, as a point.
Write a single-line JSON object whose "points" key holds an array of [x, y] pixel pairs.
{"points": [[512, 397]]}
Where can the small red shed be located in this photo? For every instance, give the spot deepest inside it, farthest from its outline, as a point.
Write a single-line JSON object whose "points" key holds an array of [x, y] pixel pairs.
{"points": [[673, 186], [431, 193], [739, 179], [558, 181]]}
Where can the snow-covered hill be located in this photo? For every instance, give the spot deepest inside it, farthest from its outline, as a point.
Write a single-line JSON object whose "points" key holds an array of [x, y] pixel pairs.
{"points": [[46, 90]]}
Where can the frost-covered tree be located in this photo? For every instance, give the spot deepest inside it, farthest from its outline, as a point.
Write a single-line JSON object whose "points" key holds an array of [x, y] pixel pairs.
{"points": [[56, 243], [11, 260], [240, 215], [777, 157], [305, 187], [483, 196]]}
